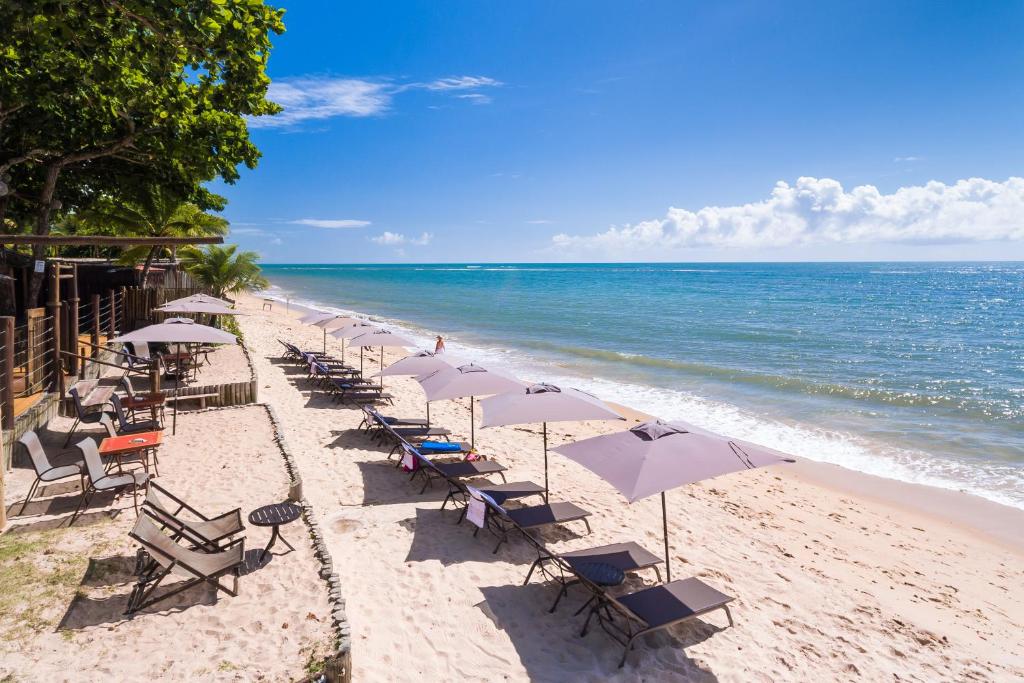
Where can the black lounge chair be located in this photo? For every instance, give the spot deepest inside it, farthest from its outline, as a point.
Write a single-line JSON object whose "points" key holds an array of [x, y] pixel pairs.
{"points": [[429, 469], [373, 420], [126, 426], [569, 568], [168, 557], [501, 522], [627, 617], [82, 416]]}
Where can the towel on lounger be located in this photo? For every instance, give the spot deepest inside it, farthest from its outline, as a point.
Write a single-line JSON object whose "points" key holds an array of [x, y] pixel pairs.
{"points": [[440, 446]]}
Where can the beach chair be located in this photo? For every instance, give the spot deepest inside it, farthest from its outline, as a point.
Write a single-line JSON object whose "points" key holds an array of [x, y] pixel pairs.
{"points": [[100, 480], [396, 434], [82, 417], [167, 557], [126, 426], [204, 533], [628, 617], [442, 449], [46, 472], [501, 522], [423, 466], [373, 420], [575, 566]]}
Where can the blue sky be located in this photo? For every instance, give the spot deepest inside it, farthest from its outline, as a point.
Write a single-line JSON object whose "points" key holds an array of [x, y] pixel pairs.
{"points": [[559, 131]]}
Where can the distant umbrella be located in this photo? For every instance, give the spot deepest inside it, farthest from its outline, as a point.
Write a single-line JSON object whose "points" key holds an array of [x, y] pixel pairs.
{"points": [[204, 307], [656, 456], [177, 331], [418, 364], [466, 380], [198, 298], [378, 337], [544, 403], [326, 321], [353, 330]]}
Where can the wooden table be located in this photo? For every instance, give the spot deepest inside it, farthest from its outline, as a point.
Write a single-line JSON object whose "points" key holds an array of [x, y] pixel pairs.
{"points": [[126, 444]]}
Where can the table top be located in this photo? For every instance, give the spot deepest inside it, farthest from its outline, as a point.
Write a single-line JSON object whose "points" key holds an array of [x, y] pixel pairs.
{"points": [[128, 443], [277, 513], [143, 400]]}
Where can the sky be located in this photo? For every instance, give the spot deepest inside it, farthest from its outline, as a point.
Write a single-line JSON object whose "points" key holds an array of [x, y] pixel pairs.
{"points": [[639, 131]]}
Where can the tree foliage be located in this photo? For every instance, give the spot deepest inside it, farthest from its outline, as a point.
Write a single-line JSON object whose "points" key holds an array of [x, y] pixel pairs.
{"points": [[223, 270], [102, 97], [156, 214]]}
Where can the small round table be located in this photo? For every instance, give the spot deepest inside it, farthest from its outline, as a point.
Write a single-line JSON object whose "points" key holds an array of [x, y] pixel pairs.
{"points": [[274, 516], [600, 574]]}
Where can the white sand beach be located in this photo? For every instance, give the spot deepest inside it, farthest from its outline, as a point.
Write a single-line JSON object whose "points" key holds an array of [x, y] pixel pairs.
{"points": [[836, 575], [66, 621]]}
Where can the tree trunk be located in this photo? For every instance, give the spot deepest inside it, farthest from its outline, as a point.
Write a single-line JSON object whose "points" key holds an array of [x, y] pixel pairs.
{"points": [[149, 263], [42, 228]]}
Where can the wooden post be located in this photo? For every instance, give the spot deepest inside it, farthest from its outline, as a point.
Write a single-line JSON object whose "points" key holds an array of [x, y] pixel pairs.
{"points": [[7, 372], [95, 325], [53, 308], [73, 320], [113, 316], [125, 327]]}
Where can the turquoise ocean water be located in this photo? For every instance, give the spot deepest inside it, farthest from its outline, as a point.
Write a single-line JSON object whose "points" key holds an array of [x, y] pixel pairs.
{"points": [[907, 370]]}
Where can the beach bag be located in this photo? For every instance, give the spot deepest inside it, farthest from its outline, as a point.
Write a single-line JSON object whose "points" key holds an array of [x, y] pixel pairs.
{"points": [[409, 461]]}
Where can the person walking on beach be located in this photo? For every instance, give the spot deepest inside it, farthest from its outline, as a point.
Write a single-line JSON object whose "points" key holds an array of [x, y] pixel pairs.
{"points": [[439, 346]]}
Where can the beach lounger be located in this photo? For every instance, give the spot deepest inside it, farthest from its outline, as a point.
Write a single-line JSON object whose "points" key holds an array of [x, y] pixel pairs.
{"points": [[424, 466], [571, 568], [204, 533], [99, 480], [373, 420], [444, 448], [45, 472], [501, 521], [627, 617], [168, 558]]}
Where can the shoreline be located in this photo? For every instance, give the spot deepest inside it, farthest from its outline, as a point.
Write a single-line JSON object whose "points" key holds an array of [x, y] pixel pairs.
{"points": [[998, 523]]}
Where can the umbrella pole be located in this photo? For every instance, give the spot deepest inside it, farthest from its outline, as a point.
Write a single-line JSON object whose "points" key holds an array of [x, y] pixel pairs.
{"points": [[174, 417], [545, 462], [472, 424], [664, 530], [428, 414], [382, 368], [325, 341], [360, 360]]}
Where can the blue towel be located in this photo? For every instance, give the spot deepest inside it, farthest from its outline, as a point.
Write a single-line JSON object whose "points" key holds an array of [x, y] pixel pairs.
{"points": [[440, 446]]}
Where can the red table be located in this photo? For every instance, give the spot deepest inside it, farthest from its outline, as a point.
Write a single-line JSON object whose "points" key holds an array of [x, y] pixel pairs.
{"points": [[117, 446]]}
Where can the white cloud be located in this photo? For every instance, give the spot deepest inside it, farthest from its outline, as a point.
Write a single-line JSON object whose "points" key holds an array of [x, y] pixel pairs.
{"points": [[246, 231], [394, 239], [311, 98], [820, 211], [276, 241], [539, 221], [476, 98], [331, 222], [458, 83], [902, 160]]}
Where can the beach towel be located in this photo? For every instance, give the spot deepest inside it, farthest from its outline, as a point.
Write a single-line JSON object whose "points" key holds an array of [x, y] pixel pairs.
{"points": [[440, 446]]}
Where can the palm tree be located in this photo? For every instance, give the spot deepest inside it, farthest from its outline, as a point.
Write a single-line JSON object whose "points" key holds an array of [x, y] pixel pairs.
{"points": [[221, 270], [156, 214]]}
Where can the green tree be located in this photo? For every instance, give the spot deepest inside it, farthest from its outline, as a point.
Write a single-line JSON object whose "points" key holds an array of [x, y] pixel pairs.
{"points": [[156, 214], [100, 96], [224, 270]]}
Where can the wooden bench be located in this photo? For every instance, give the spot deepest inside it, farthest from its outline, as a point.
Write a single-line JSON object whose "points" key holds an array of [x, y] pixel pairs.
{"points": [[199, 397]]}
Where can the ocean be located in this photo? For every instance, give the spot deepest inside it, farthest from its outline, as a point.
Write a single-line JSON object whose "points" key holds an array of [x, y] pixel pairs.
{"points": [[912, 371]]}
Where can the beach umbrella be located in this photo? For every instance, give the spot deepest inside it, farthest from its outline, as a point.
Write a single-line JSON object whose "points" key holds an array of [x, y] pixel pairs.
{"points": [[325, 321], [544, 403], [177, 331], [420, 363], [205, 307], [353, 330], [656, 456], [467, 380], [199, 298], [378, 337]]}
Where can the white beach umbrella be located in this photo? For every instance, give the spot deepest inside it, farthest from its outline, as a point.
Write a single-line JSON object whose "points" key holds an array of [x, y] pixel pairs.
{"points": [[353, 329], [418, 364], [544, 403], [378, 337], [467, 380], [198, 298], [326, 321], [177, 331]]}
